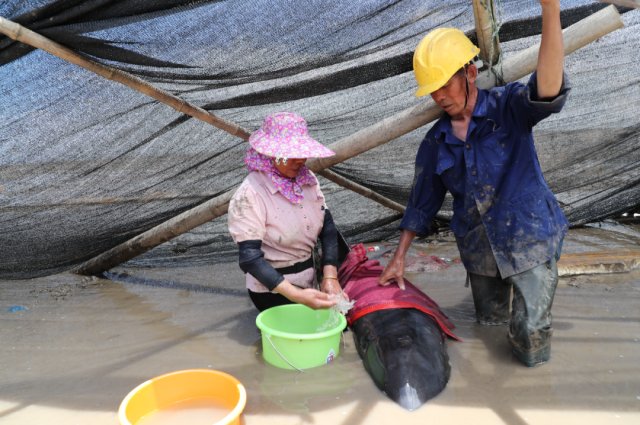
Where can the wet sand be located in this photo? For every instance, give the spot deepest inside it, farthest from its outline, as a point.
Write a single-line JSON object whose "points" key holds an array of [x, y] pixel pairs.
{"points": [[73, 347]]}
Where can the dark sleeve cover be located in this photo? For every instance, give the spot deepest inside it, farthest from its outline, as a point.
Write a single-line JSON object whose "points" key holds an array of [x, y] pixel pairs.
{"points": [[252, 261], [329, 240]]}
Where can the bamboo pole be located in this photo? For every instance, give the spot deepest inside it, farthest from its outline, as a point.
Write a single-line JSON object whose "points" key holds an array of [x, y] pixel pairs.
{"points": [[575, 36], [19, 33], [157, 235], [632, 4], [182, 223], [483, 12], [365, 191], [578, 35], [519, 65], [24, 35]]}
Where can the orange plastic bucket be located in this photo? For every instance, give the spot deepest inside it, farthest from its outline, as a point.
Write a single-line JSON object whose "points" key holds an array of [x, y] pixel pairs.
{"points": [[176, 396]]}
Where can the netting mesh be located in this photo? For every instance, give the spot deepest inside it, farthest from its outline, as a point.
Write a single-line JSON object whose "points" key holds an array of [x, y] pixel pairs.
{"points": [[87, 163]]}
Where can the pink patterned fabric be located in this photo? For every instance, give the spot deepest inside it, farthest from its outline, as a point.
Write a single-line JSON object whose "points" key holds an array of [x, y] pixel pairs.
{"points": [[285, 135], [290, 188]]}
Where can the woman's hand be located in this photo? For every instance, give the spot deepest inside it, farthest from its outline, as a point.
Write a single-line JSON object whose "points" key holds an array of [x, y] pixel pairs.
{"points": [[316, 299], [310, 297], [330, 285]]}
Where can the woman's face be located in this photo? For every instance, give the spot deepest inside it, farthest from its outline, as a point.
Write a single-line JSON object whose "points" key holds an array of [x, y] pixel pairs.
{"points": [[291, 168]]}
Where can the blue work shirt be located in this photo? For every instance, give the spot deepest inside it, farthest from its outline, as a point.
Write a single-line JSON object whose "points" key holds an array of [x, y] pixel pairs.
{"points": [[505, 218]]}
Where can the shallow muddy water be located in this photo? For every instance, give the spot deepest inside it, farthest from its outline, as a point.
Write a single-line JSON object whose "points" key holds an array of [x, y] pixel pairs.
{"points": [[73, 347]]}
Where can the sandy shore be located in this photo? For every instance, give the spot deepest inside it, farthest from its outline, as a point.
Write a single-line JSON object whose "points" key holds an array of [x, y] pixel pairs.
{"points": [[73, 347]]}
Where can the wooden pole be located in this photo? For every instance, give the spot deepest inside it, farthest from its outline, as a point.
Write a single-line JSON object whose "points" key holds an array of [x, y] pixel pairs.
{"points": [[19, 33], [575, 36], [632, 4], [186, 221], [365, 191], [519, 65], [24, 35], [157, 235], [483, 12]]}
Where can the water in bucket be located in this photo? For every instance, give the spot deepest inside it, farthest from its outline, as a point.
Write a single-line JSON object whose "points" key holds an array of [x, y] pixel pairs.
{"points": [[191, 396], [192, 412]]}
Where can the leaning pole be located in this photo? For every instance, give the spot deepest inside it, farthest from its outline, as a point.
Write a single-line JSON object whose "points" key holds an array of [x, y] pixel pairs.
{"points": [[515, 67], [576, 36], [24, 35]]}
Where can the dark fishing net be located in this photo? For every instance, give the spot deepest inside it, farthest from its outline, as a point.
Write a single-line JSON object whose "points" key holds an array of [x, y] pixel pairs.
{"points": [[86, 163]]}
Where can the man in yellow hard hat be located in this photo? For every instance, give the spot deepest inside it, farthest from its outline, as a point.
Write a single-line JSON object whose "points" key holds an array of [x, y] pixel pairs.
{"points": [[507, 222]]}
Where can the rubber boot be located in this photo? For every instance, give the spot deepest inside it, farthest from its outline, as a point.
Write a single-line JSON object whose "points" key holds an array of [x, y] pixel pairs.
{"points": [[530, 327], [491, 299]]}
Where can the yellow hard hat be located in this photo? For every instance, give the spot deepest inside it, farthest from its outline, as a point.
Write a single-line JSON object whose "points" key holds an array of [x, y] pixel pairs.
{"points": [[439, 55]]}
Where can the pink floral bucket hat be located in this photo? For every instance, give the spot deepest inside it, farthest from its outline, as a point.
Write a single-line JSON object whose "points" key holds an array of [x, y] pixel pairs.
{"points": [[285, 135]]}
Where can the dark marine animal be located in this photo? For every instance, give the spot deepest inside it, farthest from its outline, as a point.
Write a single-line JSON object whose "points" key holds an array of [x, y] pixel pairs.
{"points": [[400, 334], [404, 351]]}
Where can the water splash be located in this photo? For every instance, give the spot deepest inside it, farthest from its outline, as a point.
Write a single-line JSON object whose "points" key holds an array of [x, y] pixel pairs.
{"points": [[342, 306]]}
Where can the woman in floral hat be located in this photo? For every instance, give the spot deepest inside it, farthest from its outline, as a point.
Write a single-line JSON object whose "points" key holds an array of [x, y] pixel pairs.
{"points": [[277, 215]]}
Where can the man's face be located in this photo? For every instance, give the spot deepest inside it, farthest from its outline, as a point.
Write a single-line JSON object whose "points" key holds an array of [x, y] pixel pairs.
{"points": [[452, 96]]}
